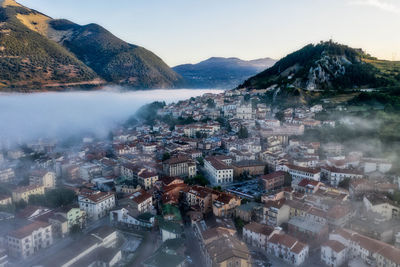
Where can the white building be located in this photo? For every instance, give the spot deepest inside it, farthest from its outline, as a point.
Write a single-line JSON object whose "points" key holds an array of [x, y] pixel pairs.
{"points": [[7, 175], [244, 112], [27, 240], [333, 253], [288, 248], [96, 204], [257, 234], [299, 173], [128, 218], [142, 201], [219, 169]]}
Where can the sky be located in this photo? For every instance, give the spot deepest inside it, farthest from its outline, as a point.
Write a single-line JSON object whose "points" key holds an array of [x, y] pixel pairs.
{"points": [[188, 31]]}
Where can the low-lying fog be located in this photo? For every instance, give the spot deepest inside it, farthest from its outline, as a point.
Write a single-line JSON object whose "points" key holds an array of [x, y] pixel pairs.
{"points": [[30, 116]]}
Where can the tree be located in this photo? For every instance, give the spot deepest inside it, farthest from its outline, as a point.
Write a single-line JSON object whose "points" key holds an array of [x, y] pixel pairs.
{"points": [[345, 183], [243, 133], [287, 180], [266, 169], [166, 156], [210, 103], [280, 116]]}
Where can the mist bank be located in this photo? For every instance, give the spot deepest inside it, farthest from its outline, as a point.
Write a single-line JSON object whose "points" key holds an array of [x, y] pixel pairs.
{"points": [[27, 117]]}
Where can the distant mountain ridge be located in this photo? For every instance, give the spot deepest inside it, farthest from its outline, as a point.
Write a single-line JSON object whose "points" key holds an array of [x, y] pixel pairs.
{"points": [[219, 72], [39, 52]]}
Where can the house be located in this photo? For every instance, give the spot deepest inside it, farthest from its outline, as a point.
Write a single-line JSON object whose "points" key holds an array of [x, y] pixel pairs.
{"points": [[382, 205], [23, 192], [276, 212], [299, 173], [224, 205], [96, 204], [43, 178], [308, 186], [200, 198], [308, 230], [257, 234], [227, 250], [181, 166], [288, 248], [147, 178], [336, 175], [142, 201], [5, 200], [129, 217], [248, 167], [74, 215], [251, 211], [219, 169], [169, 229], [26, 241], [273, 180], [333, 253]]}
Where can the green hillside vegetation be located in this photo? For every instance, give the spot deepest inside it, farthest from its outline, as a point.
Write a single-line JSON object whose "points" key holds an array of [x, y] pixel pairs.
{"points": [[361, 70], [28, 59], [113, 59]]}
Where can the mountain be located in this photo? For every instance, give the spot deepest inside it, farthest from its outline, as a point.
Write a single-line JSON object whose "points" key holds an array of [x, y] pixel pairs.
{"points": [[327, 66], [37, 52], [218, 72], [113, 59]]}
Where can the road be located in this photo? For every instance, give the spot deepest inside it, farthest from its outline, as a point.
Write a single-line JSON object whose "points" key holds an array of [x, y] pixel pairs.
{"points": [[193, 247]]}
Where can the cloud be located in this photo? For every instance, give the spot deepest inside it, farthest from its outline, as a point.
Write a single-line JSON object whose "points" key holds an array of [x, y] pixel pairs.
{"points": [[385, 5], [25, 117]]}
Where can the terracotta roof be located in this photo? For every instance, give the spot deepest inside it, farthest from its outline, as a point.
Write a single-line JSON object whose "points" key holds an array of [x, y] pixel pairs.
{"points": [[273, 175], [28, 229], [334, 245], [27, 188], [303, 169], [140, 196], [306, 182], [259, 228]]}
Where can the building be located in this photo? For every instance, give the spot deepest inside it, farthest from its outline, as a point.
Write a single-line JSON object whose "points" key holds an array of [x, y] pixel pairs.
{"points": [[248, 167], [336, 175], [129, 217], [44, 178], [226, 250], [333, 253], [251, 211], [219, 169], [97, 248], [201, 198], [181, 166], [96, 204], [224, 205], [26, 241], [276, 212], [381, 205], [5, 200], [299, 173], [7, 175], [288, 248], [142, 201], [257, 234], [147, 178], [23, 192], [308, 230], [273, 180]]}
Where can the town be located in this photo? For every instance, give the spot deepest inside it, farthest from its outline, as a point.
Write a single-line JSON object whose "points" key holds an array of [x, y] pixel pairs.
{"points": [[217, 180]]}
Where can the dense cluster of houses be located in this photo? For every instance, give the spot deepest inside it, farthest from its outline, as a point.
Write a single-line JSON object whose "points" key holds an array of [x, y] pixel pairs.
{"points": [[312, 197]]}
